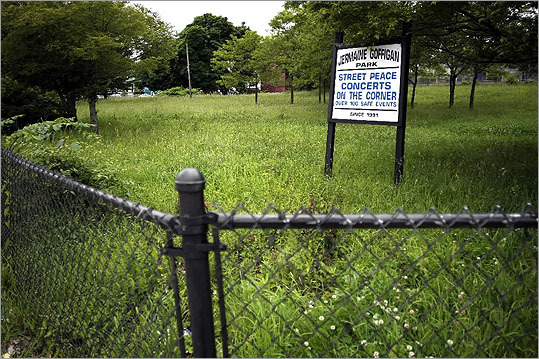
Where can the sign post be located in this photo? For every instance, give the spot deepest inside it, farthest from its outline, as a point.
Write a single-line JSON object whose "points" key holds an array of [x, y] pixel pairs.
{"points": [[330, 142], [369, 85]]}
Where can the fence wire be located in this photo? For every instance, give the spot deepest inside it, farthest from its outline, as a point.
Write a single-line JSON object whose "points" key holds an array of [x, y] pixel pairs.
{"points": [[87, 270], [334, 285], [86, 267]]}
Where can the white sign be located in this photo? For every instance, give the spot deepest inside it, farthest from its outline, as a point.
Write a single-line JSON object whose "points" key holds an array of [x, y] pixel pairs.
{"points": [[367, 83]]}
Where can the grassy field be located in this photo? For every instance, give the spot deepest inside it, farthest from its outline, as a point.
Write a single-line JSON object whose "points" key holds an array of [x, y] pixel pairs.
{"points": [[334, 293], [274, 152]]}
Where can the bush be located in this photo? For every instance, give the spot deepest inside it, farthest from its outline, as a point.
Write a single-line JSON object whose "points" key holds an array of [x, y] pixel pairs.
{"points": [[179, 91], [33, 104], [512, 80], [69, 147]]}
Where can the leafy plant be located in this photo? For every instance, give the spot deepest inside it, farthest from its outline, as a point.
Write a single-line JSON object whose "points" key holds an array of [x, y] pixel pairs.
{"points": [[179, 91], [69, 147]]}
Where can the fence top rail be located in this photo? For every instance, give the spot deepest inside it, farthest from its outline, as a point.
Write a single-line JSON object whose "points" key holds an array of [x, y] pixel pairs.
{"points": [[334, 219], [165, 220]]}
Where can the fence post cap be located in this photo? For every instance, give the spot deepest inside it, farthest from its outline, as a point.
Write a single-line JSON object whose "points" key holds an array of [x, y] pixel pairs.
{"points": [[190, 180]]}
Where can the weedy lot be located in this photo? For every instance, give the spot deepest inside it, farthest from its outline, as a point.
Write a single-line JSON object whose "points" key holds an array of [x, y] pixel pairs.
{"points": [[302, 293], [274, 152], [341, 293]]}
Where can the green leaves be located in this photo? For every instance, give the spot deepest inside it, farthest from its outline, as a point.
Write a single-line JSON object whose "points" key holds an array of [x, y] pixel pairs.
{"points": [[237, 62], [80, 48]]}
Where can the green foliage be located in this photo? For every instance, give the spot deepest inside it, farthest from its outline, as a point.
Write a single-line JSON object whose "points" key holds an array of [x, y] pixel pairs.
{"points": [[69, 147], [79, 48], [179, 91], [204, 36], [31, 103], [237, 63]]}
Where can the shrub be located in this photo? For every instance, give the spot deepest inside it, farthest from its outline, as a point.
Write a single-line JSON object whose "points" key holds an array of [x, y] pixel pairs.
{"points": [[179, 91], [69, 147], [31, 104]]}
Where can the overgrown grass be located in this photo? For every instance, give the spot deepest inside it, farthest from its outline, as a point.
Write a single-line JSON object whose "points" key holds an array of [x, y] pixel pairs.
{"points": [[274, 152], [280, 285]]}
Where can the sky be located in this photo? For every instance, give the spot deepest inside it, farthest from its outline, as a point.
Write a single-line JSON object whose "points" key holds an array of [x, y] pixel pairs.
{"points": [[256, 14]]}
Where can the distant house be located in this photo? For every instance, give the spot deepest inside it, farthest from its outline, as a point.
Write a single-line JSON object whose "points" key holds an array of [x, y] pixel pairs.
{"points": [[279, 87]]}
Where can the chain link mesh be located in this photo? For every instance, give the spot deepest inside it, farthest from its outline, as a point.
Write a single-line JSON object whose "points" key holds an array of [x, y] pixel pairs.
{"points": [[84, 270], [383, 292], [88, 269]]}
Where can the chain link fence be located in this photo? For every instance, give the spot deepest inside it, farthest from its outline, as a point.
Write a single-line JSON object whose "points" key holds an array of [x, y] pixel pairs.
{"points": [[105, 277], [334, 285], [86, 267]]}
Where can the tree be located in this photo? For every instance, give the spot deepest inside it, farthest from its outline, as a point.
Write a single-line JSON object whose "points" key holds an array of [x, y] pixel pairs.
{"points": [[482, 33], [79, 49], [204, 36], [473, 33], [282, 48], [236, 61]]}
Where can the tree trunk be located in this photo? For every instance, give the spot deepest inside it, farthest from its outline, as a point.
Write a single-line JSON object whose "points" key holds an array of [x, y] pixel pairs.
{"points": [[320, 89], [69, 101], [324, 86], [93, 113], [474, 82], [291, 90], [452, 81], [412, 101], [256, 94]]}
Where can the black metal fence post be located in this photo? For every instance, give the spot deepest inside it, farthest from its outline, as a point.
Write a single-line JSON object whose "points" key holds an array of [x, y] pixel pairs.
{"points": [[190, 185]]}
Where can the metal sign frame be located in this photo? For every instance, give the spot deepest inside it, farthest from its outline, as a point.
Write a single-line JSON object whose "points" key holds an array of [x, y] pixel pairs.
{"points": [[404, 41]]}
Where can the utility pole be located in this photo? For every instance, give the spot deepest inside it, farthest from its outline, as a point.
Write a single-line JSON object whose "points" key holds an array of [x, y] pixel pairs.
{"points": [[188, 71]]}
